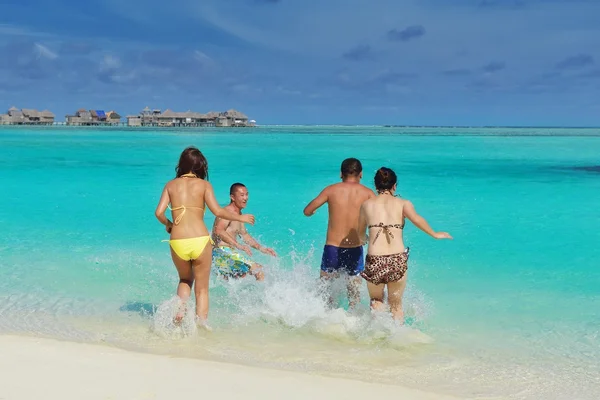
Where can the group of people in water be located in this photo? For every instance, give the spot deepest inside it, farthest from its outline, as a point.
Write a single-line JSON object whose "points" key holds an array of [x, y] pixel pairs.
{"points": [[357, 216]]}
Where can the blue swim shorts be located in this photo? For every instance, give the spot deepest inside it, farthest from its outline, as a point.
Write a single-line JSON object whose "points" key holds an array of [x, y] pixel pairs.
{"points": [[342, 259]]}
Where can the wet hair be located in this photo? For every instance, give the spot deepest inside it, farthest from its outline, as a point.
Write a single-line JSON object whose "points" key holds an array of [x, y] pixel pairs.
{"points": [[235, 187], [192, 160], [385, 179], [351, 167]]}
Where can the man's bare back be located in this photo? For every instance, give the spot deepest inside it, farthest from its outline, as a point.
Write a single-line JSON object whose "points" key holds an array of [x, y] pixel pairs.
{"points": [[344, 200]]}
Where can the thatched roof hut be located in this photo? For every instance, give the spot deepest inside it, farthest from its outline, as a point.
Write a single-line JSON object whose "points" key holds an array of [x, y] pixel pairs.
{"points": [[30, 113], [14, 112], [234, 114], [113, 115]]}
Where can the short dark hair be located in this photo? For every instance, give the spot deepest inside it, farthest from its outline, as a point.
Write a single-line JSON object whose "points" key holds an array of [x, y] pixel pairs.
{"points": [[385, 179], [351, 167], [235, 187]]}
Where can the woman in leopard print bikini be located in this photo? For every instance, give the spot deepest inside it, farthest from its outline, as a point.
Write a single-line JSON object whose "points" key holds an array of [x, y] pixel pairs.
{"points": [[386, 262]]}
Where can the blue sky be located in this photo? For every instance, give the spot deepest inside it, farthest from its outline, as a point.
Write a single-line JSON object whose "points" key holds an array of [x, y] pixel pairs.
{"points": [[425, 62]]}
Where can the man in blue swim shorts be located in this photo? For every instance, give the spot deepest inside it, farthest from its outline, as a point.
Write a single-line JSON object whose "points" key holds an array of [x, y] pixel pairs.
{"points": [[343, 252], [228, 259]]}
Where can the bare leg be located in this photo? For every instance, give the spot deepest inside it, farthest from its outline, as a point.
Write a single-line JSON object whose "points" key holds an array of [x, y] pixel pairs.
{"points": [[186, 280], [353, 286], [395, 293], [257, 271], [326, 279], [201, 268], [376, 293]]}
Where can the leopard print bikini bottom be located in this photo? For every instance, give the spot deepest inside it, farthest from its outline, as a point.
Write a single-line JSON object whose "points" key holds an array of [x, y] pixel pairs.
{"points": [[386, 268]]}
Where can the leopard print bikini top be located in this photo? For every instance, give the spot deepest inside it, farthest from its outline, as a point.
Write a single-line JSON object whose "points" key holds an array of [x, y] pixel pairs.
{"points": [[386, 229]]}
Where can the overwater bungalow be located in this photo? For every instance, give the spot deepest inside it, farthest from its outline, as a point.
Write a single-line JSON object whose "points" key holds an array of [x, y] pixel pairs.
{"points": [[113, 118], [232, 118], [26, 116], [147, 117], [83, 117], [169, 118]]}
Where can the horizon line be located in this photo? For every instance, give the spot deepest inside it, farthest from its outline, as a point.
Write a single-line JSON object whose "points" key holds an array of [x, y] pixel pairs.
{"points": [[61, 125]]}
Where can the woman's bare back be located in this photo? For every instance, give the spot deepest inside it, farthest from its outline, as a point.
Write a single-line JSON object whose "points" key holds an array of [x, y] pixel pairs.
{"points": [[385, 221], [186, 196]]}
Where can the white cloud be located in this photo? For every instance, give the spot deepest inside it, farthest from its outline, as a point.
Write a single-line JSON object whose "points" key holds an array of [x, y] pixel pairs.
{"points": [[328, 29], [14, 30], [204, 59], [309, 27], [110, 62], [44, 52]]}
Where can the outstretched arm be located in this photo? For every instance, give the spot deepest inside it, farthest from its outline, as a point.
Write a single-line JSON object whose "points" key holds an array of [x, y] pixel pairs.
{"points": [[254, 244], [220, 212], [220, 230], [317, 202], [163, 203], [410, 213]]}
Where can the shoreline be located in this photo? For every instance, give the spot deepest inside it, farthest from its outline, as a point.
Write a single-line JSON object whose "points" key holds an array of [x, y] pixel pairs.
{"points": [[35, 367]]}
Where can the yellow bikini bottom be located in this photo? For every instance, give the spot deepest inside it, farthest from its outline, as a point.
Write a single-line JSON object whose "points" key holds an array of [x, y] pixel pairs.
{"points": [[189, 249]]}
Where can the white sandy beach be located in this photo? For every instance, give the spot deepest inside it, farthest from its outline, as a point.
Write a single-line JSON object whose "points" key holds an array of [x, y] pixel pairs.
{"points": [[37, 368]]}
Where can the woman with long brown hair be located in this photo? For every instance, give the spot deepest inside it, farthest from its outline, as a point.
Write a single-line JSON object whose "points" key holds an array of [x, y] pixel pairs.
{"points": [[191, 245]]}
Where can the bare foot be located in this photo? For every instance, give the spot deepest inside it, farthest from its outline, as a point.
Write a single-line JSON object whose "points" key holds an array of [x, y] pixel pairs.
{"points": [[180, 314], [203, 324]]}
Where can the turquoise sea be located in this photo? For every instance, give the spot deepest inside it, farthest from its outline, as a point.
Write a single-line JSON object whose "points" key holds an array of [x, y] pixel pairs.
{"points": [[508, 309]]}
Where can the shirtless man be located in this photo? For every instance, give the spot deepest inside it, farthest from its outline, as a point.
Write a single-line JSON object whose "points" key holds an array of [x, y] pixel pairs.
{"points": [[343, 252], [230, 263]]}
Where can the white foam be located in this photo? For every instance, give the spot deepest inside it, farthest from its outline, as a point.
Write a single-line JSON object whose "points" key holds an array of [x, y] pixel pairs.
{"points": [[163, 322], [292, 299]]}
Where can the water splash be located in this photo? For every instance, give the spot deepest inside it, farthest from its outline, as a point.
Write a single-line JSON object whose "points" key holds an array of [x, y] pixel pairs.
{"points": [[293, 301], [165, 325]]}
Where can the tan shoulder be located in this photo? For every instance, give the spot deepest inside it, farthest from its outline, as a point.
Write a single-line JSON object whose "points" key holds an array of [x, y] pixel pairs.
{"points": [[170, 183], [334, 187], [368, 202], [369, 192], [405, 202]]}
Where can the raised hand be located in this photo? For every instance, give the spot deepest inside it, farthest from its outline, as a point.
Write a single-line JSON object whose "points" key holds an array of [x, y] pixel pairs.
{"points": [[269, 251], [248, 219]]}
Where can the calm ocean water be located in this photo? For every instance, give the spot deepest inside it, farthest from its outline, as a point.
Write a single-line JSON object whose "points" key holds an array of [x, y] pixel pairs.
{"points": [[509, 309]]}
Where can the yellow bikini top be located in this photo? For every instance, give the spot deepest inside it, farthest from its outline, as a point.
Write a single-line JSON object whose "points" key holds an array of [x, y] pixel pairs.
{"points": [[178, 219]]}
